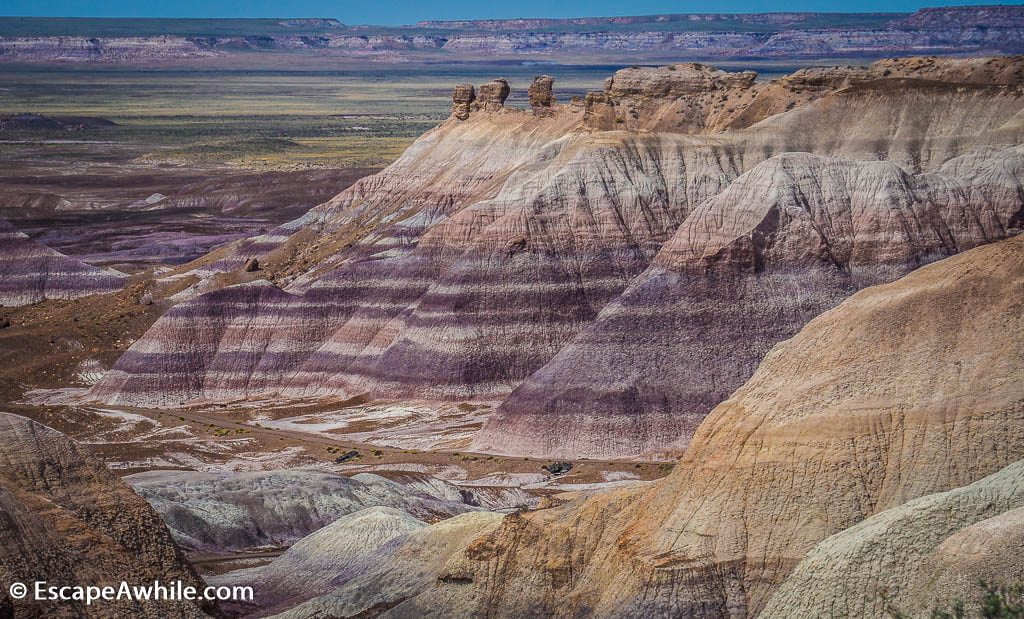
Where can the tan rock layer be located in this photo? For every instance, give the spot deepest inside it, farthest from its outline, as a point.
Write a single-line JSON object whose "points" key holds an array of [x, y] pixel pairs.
{"points": [[66, 520], [919, 557]]}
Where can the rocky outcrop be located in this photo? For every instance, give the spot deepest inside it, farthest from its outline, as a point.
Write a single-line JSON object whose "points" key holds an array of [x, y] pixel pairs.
{"points": [[31, 272], [541, 94], [904, 390], [491, 96], [785, 242], [921, 556], [66, 520], [696, 98], [462, 100], [685, 98], [228, 512]]}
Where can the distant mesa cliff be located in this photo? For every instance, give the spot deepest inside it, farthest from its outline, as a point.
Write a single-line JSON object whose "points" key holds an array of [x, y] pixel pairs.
{"points": [[28, 121], [938, 18], [723, 19], [997, 29]]}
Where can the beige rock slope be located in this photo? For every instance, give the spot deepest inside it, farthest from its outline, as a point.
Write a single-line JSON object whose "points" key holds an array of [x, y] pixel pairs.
{"points": [[917, 557], [903, 390], [396, 572], [66, 520], [309, 568]]}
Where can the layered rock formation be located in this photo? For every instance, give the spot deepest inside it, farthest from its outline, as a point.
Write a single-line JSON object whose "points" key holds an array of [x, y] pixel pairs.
{"points": [[904, 390], [66, 520], [541, 94], [462, 100], [955, 30], [31, 272], [399, 570], [785, 242], [225, 512], [315, 563], [921, 556], [464, 268]]}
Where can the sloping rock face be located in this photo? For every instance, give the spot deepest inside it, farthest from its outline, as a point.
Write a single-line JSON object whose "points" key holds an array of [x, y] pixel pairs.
{"points": [[312, 566], [469, 263], [177, 366], [492, 498], [398, 570], [225, 512], [785, 242], [31, 272], [66, 520], [920, 556], [904, 390]]}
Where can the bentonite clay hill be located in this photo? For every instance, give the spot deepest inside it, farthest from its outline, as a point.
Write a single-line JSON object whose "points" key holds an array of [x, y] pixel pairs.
{"points": [[31, 272], [902, 391], [785, 242], [66, 520], [495, 240], [926, 554]]}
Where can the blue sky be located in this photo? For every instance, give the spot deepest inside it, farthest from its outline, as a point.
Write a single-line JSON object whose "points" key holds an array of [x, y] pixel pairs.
{"points": [[388, 12]]}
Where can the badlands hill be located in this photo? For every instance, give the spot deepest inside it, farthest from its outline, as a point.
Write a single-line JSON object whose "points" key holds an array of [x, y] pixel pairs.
{"points": [[925, 554], [905, 390], [785, 242], [65, 519], [225, 512], [318, 561], [31, 272], [551, 256]]}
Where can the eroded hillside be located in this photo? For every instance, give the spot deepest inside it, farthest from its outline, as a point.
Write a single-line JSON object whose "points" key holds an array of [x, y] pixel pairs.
{"points": [[498, 254], [902, 391]]}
